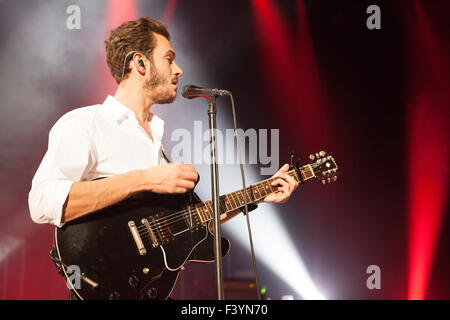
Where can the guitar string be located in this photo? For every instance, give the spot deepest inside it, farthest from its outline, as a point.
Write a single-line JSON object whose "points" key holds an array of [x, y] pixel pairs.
{"points": [[240, 193], [168, 227], [178, 213], [181, 215], [166, 221], [260, 188]]}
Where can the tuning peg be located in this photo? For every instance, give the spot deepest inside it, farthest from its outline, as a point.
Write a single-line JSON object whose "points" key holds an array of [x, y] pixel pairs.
{"points": [[334, 177], [323, 181], [322, 153], [291, 160], [311, 157], [329, 180], [317, 155]]}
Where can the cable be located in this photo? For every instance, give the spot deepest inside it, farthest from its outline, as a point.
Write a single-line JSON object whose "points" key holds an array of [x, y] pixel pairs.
{"points": [[245, 201]]}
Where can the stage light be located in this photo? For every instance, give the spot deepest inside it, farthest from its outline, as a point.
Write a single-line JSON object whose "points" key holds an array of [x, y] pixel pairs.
{"points": [[292, 73], [427, 146], [169, 12], [275, 249]]}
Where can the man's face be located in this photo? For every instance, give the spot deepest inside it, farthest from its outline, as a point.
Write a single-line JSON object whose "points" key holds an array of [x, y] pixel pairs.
{"points": [[164, 72]]}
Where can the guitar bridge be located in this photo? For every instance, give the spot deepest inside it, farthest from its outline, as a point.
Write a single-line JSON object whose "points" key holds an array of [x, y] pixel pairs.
{"points": [[150, 232], [137, 238]]}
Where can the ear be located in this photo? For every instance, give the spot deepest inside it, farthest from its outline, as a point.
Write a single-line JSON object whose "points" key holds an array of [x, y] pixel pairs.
{"points": [[138, 60]]}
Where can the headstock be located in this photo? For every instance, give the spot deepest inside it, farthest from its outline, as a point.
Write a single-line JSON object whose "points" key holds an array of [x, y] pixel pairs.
{"points": [[324, 166]]}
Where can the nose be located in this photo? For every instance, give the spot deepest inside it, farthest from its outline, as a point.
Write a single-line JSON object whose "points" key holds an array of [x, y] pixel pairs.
{"points": [[177, 70]]}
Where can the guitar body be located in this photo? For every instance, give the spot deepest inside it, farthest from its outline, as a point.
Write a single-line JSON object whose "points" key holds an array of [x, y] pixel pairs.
{"points": [[135, 249], [102, 247]]}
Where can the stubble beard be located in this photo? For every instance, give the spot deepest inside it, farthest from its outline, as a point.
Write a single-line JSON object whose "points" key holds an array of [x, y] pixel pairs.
{"points": [[161, 86]]}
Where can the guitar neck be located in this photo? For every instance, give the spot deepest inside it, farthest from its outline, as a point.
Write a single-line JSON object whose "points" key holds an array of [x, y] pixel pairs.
{"points": [[255, 192]]}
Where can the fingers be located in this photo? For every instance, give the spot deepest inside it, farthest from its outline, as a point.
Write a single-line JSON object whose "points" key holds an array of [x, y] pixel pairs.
{"points": [[286, 183], [171, 178], [284, 168], [285, 180], [187, 172], [185, 178]]}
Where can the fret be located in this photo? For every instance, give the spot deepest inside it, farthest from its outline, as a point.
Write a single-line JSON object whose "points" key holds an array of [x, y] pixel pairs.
{"points": [[236, 203], [209, 209], [240, 198], [254, 193], [228, 205], [221, 208], [264, 188], [200, 211], [223, 201], [307, 172], [294, 175], [235, 200], [269, 188]]}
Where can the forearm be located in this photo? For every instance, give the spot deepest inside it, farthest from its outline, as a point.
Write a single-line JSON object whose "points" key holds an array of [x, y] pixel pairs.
{"points": [[89, 196]]}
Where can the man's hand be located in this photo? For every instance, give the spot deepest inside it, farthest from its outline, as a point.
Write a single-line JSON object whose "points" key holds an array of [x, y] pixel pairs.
{"points": [[286, 185], [170, 178]]}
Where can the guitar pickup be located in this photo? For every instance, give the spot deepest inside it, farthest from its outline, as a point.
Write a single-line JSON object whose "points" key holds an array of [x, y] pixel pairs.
{"points": [[137, 238], [150, 232]]}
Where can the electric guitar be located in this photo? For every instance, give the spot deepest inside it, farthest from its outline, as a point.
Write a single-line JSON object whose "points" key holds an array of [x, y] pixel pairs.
{"points": [[136, 248]]}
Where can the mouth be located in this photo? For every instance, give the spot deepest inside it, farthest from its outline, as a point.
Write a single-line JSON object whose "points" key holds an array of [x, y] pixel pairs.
{"points": [[174, 82]]}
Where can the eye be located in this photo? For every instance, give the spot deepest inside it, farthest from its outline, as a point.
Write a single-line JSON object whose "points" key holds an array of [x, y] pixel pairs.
{"points": [[170, 59]]}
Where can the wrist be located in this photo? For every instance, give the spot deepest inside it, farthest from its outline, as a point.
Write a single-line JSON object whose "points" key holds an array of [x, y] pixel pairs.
{"points": [[141, 181]]}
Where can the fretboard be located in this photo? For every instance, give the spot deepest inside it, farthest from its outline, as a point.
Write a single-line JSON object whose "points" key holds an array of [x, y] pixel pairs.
{"points": [[235, 200]]}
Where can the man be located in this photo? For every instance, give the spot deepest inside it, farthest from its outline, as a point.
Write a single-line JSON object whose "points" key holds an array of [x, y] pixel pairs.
{"points": [[120, 139]]}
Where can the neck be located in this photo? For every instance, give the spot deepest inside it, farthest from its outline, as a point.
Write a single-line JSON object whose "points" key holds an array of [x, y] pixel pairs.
{"points": [[235, 200], [134, 98]]}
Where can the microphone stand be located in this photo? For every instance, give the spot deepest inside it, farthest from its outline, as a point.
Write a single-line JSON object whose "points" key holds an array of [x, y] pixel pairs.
{"points": [[215, 196]]}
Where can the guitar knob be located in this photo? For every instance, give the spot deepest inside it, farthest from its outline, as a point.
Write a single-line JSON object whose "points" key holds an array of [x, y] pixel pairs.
{"points": [[114, 296], [133, 281], [152, 293]]}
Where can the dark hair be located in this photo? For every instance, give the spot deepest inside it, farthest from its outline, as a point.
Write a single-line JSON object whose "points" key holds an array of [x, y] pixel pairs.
{"points": [[131, 36]]}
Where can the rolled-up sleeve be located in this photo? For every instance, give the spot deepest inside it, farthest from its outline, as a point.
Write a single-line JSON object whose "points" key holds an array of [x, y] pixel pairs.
{"points": [[69, 156]]}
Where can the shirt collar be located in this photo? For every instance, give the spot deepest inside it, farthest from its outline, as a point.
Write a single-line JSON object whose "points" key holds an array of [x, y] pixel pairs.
{"points": [[116, 109], [119, 112]]}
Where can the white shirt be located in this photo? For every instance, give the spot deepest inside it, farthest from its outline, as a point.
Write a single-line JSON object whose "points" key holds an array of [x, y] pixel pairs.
{"points": [[87, 143]]}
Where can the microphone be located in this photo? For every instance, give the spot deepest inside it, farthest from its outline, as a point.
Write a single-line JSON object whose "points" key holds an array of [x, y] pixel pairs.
{"points": [[191, 92]]}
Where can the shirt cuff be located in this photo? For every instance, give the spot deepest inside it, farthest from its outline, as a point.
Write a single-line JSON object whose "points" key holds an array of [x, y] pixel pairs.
{"points": [[60, 192], [46, 201]]}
